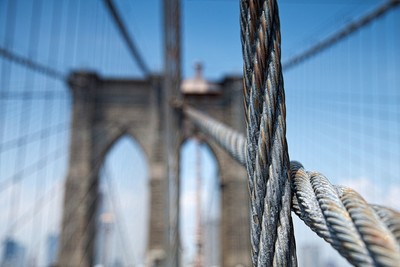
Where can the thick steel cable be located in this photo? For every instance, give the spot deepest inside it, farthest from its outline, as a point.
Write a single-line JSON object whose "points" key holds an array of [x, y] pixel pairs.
{"points": [[40, 135], [341, 34], [31, 64], [365, 235], [37, 207], [32, 168], [228, 139], [26, 95], [267, 158], [116, 207], [127, 38], [343, 218], [391, 218]]}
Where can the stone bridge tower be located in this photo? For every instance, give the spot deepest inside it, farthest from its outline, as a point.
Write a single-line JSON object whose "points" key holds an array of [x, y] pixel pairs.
{"points": [[106, 109]]}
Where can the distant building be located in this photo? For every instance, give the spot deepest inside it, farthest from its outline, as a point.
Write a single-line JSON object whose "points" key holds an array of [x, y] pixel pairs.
{"points": [[211, 243], [104, 226], [310, 255], [52, 249], [13, 254], [198, 85]]}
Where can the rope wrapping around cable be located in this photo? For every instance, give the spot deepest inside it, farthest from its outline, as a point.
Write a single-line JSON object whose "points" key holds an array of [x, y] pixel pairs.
{"points": [[267, 159], [366, 235]]}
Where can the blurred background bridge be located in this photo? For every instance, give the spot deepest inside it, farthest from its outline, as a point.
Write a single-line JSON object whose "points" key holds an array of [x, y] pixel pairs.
{"points": [[84, 113]]}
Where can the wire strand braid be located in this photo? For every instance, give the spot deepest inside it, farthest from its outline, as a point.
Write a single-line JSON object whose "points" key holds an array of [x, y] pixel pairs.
{"points": [[366, 235], [267, 158], [230, 140]]}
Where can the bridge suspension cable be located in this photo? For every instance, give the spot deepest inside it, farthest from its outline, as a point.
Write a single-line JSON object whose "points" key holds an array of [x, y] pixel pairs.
{"points": [[90, 199], [127, 38], [338, 214], [31, 64], [37, 122], [341, 34], [267, 159], [32, 137], [18, 176], [35, 209], [120, 222], [41, 95]]}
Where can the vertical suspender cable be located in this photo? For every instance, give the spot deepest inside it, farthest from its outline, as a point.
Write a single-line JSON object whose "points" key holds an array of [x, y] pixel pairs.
{"points": [[267, 157]]}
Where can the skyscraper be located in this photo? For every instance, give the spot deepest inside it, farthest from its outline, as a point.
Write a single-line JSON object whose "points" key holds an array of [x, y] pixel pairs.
{"points": [[13, 254], [212, 244], [52, 249]]}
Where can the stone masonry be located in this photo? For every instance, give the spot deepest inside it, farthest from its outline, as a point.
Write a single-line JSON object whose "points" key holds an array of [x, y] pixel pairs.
{"points": [[106, 109]]}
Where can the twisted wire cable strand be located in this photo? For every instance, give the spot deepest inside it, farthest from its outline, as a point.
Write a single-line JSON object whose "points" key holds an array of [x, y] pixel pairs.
{"points": [[319, 206], [230, 140], [343, 218], [267, 158], [366, 235], [381, 244], [391, 219], [248, 21]]}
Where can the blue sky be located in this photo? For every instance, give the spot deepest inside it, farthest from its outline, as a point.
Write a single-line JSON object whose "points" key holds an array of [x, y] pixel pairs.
{"points": [[342, 106]]}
